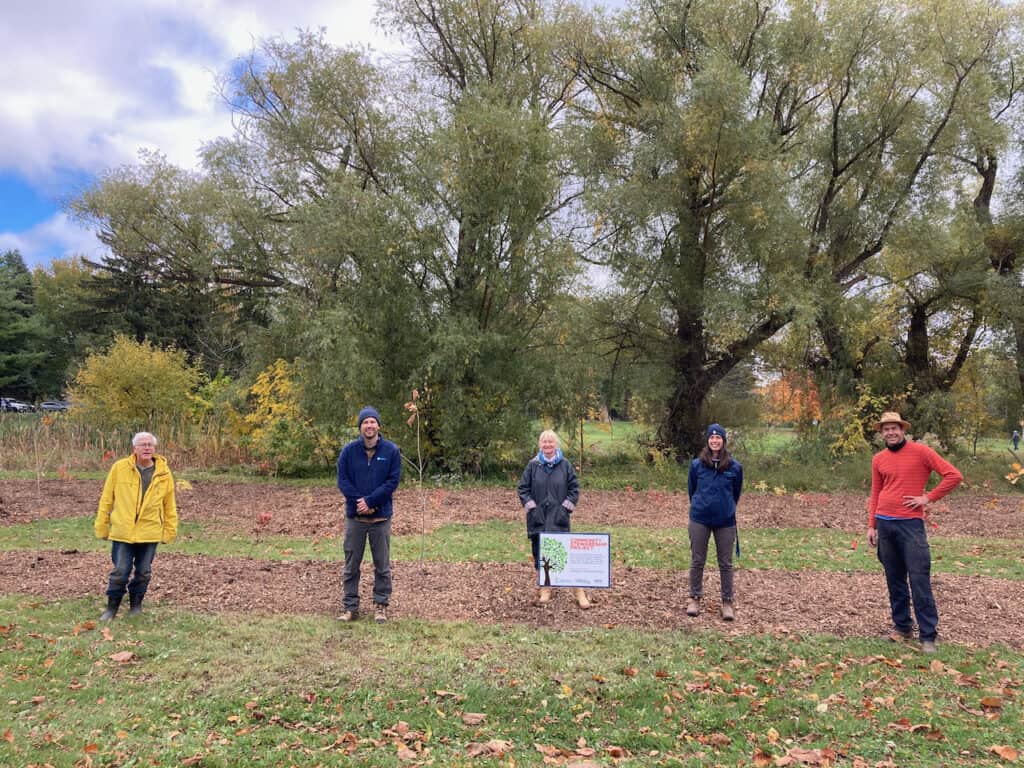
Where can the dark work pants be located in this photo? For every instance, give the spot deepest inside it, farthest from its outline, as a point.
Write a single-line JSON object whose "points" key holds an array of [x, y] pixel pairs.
{"points": [[725, 540], [357, 532], [126, 557], [904, 553]]}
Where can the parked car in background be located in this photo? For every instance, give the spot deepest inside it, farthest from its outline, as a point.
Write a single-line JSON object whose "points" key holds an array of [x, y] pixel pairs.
{"points": [[54, 405], [11, 405]]}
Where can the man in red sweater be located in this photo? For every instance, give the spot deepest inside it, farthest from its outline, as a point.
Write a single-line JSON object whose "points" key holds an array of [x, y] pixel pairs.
{"points": [[896, 517]]}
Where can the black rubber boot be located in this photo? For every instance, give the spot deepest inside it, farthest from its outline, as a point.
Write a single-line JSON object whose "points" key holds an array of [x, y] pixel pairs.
{"points": [[113, 603], [136, 605]]}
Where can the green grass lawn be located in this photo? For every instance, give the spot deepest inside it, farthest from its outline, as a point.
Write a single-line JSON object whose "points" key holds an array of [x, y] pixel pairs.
{"points": [[794, 549], [174, 688]]}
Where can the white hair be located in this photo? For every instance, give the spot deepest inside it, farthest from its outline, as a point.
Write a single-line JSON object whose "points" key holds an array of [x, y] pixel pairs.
{"points": [[549, 433], [140, 436]]}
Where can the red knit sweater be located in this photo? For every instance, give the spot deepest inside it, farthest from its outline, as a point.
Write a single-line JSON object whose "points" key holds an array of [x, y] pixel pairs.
{"points": [[896, 474]]}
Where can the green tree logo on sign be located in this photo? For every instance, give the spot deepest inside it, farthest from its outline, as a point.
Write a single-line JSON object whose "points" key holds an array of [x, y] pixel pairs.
{"points": [[553, 557]]}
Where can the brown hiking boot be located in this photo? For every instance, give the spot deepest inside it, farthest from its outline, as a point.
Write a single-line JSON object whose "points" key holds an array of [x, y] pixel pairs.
{"points": [[928, 646], [693, 606], [349, 615], [896, 636], [728, 613], [545, 595], [380, 613]]}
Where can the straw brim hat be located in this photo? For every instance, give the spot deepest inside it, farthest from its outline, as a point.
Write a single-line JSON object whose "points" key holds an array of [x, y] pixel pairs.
{"points": [[891, 417]]}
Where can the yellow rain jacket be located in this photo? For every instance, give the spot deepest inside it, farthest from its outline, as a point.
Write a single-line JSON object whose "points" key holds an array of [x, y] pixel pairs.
{"points": [[124, 515]]}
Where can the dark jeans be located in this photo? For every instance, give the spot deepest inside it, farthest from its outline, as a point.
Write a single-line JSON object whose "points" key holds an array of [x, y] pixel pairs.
{"points": [[356, 534], [904, 553], [125, 557], [725, 540]]}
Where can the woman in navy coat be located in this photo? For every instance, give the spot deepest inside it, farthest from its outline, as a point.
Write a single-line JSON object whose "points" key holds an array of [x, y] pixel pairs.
{"points": [[715, 484]]}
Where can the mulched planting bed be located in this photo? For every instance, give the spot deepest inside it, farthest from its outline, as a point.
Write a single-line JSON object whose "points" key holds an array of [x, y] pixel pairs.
{"points": [[973, 610], [317, 511]]}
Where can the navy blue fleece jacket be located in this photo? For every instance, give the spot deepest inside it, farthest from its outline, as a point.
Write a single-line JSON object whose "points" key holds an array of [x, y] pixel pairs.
{"points": [[713, 494], [372, 479]]}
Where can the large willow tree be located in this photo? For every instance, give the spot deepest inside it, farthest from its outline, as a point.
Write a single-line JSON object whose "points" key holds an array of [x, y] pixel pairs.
{"points": [[750, 162]]}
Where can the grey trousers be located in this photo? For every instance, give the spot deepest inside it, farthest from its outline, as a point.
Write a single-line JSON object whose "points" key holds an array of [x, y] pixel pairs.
{"points": [[356, 534], [725, 540]]}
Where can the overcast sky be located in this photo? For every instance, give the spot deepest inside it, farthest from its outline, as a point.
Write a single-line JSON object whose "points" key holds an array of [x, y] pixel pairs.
{"points": [[85, 86]]}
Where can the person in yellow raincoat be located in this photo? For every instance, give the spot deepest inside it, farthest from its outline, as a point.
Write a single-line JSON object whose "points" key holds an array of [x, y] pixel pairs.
{"points": [[137, 511]]}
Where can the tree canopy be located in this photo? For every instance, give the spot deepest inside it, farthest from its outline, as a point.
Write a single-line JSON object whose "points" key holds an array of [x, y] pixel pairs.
{"points": [[540, 210]]}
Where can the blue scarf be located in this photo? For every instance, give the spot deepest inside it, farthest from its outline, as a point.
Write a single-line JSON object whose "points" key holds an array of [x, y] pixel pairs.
{"points": [[549, 464]]}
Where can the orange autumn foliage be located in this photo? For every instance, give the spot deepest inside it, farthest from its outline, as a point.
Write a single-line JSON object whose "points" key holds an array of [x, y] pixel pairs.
{"points": [[791, 399]]}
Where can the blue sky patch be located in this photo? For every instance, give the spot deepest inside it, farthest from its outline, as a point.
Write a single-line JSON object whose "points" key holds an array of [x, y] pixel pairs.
{"points": [[21, 205]]}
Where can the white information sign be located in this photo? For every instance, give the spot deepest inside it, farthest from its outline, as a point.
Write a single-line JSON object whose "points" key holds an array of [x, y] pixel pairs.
{"points": [[575, 560]]}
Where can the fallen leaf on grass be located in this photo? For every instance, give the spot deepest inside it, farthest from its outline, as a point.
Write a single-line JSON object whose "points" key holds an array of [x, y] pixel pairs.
{"points": [[965, 708], [107, 634], [492, 748], [122, 657], [9, 736], [616, 752], [447, 694], [800, 756], [930, 732], [473, 718], [992, 702], [406, 754], [1006, 753], [715, 740], [630, 671]]}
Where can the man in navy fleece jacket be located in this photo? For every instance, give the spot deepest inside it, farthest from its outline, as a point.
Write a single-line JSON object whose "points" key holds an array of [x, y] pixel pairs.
{"points": [[369, 470]]}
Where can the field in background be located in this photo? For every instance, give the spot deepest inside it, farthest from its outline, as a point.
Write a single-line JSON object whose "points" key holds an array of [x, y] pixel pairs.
{"points": [[611, 456]]}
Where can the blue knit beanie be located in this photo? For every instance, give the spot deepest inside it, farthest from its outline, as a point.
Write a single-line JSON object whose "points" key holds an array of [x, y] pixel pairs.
{"points": [[369, 412], [715, 429]]}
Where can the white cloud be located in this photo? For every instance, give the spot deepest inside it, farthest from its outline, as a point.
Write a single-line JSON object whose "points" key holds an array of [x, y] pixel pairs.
{"points": [[54, 238], [86, 85]]}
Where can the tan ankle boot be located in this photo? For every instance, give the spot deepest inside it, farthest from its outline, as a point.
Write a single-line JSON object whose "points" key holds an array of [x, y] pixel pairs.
{"points": [[693, 606], [581, 597], [545, 595], [728, 614]]}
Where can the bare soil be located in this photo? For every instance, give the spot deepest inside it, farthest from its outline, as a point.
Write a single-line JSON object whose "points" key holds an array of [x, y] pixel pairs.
{"points": [[974, 610]]}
